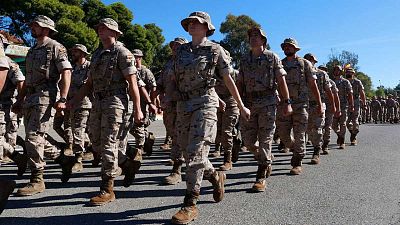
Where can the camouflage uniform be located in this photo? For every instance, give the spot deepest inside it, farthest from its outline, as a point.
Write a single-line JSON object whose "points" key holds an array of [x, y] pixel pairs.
{"points": [[329, 116], [226, 121], [299, 72], [382, 112], [258, 77], [352, 122], [375, 109], [139, 131], [75, 120], [110, 104], [391, 105]]}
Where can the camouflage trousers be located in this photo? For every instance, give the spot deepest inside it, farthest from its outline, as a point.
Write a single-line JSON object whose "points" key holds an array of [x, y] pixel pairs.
{"points": [[38, 121], [139, 131], [298, 122], [105, 123], [75, 123], [169, 119], [327, 128], [382, 114], [196, 130], [6, 149], [261, 127], [375, 114], [11, 125], [226, 124], [352, 123], [339, 123], [126, 126], [316, 123], [390, 113]]}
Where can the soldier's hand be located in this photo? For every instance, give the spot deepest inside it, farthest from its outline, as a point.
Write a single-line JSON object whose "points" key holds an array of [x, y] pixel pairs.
{"points": [[287, 111], [351, 109], [245, 113], [222, 106], [333, 109], [59, 106], [320, 110], [337, 114], [152, 108], [159, 110], [138, 117]]}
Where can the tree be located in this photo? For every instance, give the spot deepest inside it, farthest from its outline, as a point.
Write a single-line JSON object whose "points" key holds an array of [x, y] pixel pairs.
{"points": [[235, 41], [367, 83]]}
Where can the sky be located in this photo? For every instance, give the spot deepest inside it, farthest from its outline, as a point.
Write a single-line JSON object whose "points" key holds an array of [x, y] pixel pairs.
{"points": [[368, 28]]}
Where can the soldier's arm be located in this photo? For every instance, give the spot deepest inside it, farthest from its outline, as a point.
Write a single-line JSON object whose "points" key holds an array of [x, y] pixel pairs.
{"points": [[350, 98], [134, 93], [3, 77], [331, 99], [65, 82]]}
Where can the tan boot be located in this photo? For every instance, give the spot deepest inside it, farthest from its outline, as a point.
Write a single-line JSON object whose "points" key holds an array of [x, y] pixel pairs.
{"points": [[315, 158], [175, 177], [227, 162], [217, 179], [78, 166], [325, 149], [353, 139], [130, 168], [189, 211], [261, 183], [106, 194], [296, 164], [217, 152], [21, 161], [68, 151], [35, 186], [341, 143], [167, 143], [6, 187]]}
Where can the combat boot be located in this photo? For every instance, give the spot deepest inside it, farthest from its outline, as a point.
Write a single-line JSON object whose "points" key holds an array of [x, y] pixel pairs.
{"points": [[96, 158], [296, 165], [106, 194], [217, 179], [217, 152], [175, 177], [78, 166], [21, 160], [353, 139], [6, 187], [341, 143], [189, 211], [130, 168], [315, 158], [325, 149], [35, 186], [263, 172], [167, 143], [282, 148], [236, 149], [227, 162], [68, 151], [148, 144]]}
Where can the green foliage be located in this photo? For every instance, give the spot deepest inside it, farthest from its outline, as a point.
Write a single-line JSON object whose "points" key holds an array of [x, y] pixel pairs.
{"points": [[75, 20], [380, 91], [236, 40], [366, 81]]}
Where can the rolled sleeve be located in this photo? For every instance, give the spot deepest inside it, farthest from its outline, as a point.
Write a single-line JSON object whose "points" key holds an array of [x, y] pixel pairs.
{"points": [[126, 62], [61, 58], [224, 62]]}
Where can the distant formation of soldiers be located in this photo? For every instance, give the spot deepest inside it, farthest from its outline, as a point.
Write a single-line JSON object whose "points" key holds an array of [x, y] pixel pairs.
{"points": [[94, 104]]}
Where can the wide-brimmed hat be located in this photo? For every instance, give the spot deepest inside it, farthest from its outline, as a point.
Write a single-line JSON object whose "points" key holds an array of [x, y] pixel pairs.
{"points": [[179, 40], [45, 21], [256, 29], [81, 48], [350, 70], [202, 17], [290, 41], [310, 57], [137, 52], [110, 24], [323, 67]]}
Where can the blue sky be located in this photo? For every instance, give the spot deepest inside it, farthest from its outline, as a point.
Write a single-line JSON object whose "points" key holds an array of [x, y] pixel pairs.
{"points": [[368, 28]]}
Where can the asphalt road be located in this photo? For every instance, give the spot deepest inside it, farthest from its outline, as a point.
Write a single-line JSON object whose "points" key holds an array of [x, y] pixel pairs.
{"points": [[359, 185]]}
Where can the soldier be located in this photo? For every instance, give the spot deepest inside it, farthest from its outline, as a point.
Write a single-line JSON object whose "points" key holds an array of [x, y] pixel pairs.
{"points": [[166, 88], [391, 105], [358, 93], [112, 73], [75, 120], [197, 64], [261, 75], [329, 114], [316, 120], [382, 113], [346, 104], [144, 139], [8, 120], [375, 109], [46, 63], [300, 79]]}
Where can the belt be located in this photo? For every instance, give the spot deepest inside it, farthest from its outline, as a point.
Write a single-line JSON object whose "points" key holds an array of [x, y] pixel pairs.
{"points": [[105, 94], [195, 93]]}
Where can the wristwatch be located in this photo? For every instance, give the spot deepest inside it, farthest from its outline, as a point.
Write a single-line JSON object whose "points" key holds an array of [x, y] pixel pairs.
{"points": [[288, 101], [62, 100]]}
